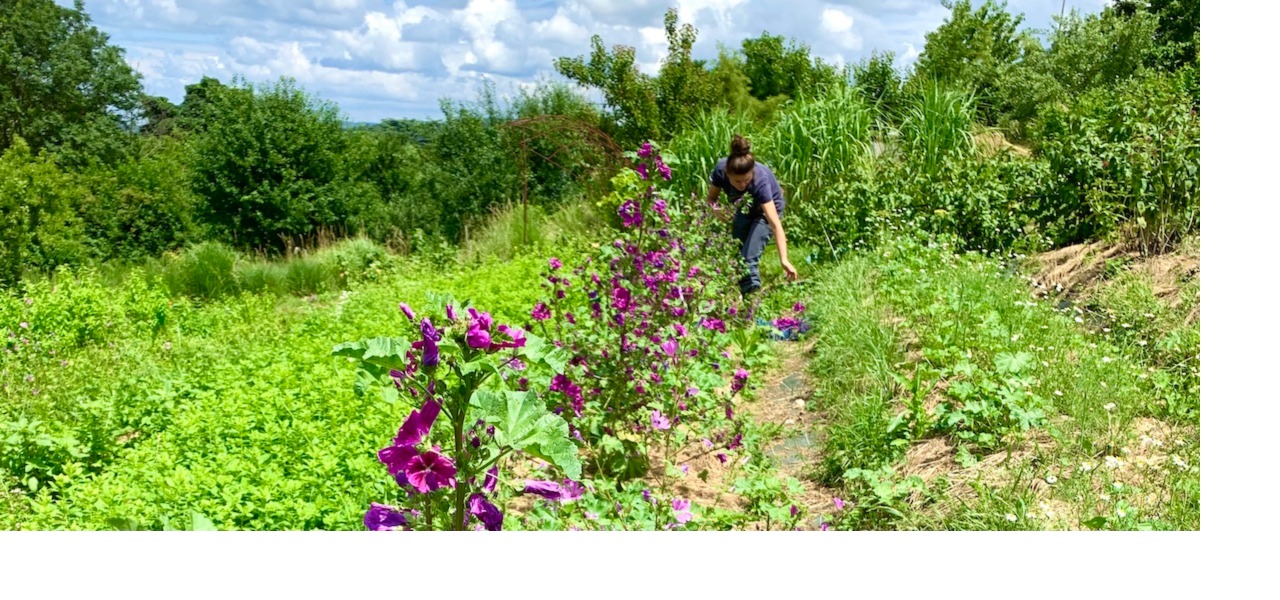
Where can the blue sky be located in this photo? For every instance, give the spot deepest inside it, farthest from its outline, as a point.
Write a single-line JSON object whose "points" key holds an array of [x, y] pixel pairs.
{"points": [[397, 59]]}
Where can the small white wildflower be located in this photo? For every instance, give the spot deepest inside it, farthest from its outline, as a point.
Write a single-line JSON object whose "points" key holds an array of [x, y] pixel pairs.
{"points": [[1079, 320], [1178, 461], [1085, 467], [1106, 330], [1125, 325], [1051, 480], [1057, 392], [1142, 342], [1106, 359], [1092, 345], [1110, 406], [1117, 485], [1015, 337], [1125, 450], [1113, 462], [1148, 315], [1120, 513], [1104, 497], [1011, 517]]}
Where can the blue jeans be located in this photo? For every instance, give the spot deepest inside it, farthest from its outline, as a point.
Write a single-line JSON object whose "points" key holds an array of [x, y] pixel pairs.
{"points": [[754, 233]]}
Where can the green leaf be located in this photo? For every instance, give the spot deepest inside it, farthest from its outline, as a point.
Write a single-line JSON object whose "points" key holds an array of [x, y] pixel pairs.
{"points": [[537, 350], [1013, 363], [521, 421], [1096, 523], [199, 522], [385, 352]]}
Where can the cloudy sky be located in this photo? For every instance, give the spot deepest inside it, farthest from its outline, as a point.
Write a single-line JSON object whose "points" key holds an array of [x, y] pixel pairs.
{"points": [[397, 59]]}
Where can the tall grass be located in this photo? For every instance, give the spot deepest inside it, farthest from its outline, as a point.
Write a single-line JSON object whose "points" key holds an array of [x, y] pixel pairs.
{"points": [[509, 230], [213, 270], [818, 142], [937, 124]]}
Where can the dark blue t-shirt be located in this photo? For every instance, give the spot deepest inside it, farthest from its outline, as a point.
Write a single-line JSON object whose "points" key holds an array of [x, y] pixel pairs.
{"points": [[763, 188]]}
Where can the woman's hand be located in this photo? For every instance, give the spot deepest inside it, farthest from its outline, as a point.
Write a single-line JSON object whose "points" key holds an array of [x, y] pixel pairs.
{"points": [[791, 270]]}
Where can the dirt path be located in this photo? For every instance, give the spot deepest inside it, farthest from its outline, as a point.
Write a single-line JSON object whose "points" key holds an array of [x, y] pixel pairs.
{"points": [[785, 401]]}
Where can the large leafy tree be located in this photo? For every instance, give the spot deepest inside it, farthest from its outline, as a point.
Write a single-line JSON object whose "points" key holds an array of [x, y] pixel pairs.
{"points": [[775, 67], [61, 82], [971, 49], [268, 162]]}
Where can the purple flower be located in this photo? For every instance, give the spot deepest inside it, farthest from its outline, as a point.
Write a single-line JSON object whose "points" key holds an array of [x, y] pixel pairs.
{"points": [[479, 506], [554, 263], [824, 526], [646, 149], [515, 338], [571, 490], [478, 338], [736, 443], [664, 170], [381, 517], [408, 312], [569, 318], [418, 424], [683, 515], [659, 422], [722, 458], [797, 307], [794, 510], [643, 170], [739, 380], [838, 502], [630, 213], [431, 471], [645, 493], [621, 298], [516, 364], [449, 313], [670, 347], [541, 312], [713, 324], [430, 353], [728, 412]]}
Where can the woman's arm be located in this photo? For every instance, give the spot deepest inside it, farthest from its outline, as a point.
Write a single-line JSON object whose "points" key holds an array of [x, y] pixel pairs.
{"points": [[771, 215], [713, 195]]}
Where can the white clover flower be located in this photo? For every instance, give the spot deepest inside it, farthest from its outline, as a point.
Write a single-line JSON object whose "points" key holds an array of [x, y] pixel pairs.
{"points": [[1142, 342], [1012, 518], [1057, 393], [1117, 485], [1106, 359], [1085, 467], [1120, 513], [1110, 406], [1015, 337], [1104, 497], [1113, 462], [1051, 480]]}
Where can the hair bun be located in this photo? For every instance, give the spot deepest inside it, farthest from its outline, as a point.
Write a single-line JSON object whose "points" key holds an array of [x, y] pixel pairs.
{"points": [[740, 146]]}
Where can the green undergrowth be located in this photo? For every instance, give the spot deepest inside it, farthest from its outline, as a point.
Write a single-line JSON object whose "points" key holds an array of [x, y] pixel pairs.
{"points": [[129, 404], [1041, 411]]}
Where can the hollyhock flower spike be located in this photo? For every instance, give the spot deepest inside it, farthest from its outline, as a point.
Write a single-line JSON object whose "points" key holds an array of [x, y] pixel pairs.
{"points": [[541, 312], [431, 471], [554, 263], [646, 150], [408, 312]]}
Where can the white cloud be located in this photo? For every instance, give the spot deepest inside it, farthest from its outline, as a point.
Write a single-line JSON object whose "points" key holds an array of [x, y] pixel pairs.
{"points": [[397, 58]]}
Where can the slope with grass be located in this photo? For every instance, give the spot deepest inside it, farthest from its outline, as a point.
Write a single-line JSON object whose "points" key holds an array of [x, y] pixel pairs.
{"points": [[959, 397]]}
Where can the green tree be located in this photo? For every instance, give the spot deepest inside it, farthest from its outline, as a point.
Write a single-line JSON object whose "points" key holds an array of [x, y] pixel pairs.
{"points": [[971, 49], [1177, 36], [60, 81], [774, 67], [268, 163], [879, 83], [38, 225]]}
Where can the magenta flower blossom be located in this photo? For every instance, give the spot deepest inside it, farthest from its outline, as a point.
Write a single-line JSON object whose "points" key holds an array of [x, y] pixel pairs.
{"points": [[713, 324], [681, 330], [798, 307], [541, 312], [659, 422], [683, 514], [670, 347], [408, 312], [554, 263], [646, 150], [630, 213], [643, 170], [621, 298], [739, 380], [431, 471], [571, 490], [381, 517], [838, 502], [794, 511], [664, 170], [449, 312], [515, 338], [728, 411], [418, 424], [480, 507], [722, 457], [660, 207], [478, 338]]}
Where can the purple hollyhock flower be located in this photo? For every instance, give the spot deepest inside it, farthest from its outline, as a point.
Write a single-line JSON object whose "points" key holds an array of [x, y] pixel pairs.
{"points": [[660, 206], [681, 330], [643, 170], [664, 170], [571, 490], [713, 324], [645, 493], [431, 471], [646, 149], [621, 298], [554, 263], [797, 307], [449, 313], [428, 331], [739, 380], [478, 338], [660, 422], [733, 312], [516, 364], [430, 352], [721, 456], [691, 392], [630, 213], [381, 517], [677, 311], [541, 312], [569, 318], [418, 424], [824, 526], [408, 312], [736, 443], [794, 511], [515, 336], [554, 491], [479, 506], [481, 319], [728, 411], [838, 502], [683, 515], [670, 347]]}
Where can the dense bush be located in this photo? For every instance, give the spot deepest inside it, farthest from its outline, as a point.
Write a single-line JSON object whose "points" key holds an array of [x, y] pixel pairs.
{"points": [[38, 225]]}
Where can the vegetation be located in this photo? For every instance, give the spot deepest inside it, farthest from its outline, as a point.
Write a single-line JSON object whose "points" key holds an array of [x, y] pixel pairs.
{"points": [[574, 354]]}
